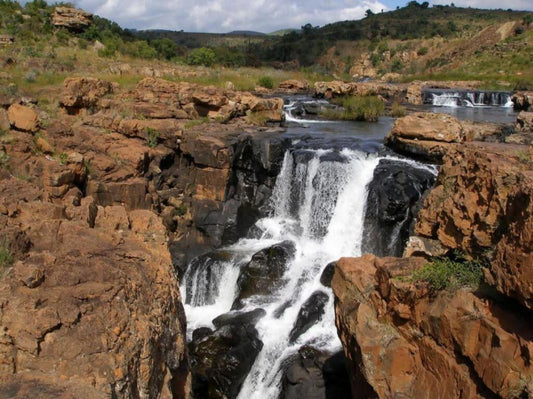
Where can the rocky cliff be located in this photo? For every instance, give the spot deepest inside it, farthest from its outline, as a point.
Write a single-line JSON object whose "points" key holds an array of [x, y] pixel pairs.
{"points": [[94, 198], [405, 338]]}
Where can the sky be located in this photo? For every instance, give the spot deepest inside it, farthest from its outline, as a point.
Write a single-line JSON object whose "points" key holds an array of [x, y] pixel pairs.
{"points": [[220, 16]]}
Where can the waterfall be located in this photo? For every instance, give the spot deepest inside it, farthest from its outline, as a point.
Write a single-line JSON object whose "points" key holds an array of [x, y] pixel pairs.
{"points": [[318, 204], [466, 98]]}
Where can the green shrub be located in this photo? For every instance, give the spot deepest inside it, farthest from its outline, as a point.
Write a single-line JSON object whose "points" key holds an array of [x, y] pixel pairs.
{"points": [[397, 110], [266, 82], [397, 66], [357, 108], [6, 257], [201, 56], [152, 137], [422, 51], [447, 273]]}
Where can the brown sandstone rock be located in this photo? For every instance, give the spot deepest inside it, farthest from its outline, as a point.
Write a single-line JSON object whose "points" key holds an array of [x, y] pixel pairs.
{"points": [[23, 118], [402, 342], [482, 203], [71, 18], [294, 86], [522, 100], [83, 93], [85, 314]]}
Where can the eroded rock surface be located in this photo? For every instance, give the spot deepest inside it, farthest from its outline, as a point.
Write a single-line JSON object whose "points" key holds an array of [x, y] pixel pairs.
{"points": [[403, 341], [91, 306], [482, 204]]}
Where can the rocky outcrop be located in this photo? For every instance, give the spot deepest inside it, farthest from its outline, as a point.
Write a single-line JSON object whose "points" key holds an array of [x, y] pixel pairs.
{"points": [[403, 341], [313, 374], [221, 359], [294, 86], [429, 136], [482, 205], [522, 100], [71, 18], [83, 94], [90, 305], [263, 273], [338, 88]]}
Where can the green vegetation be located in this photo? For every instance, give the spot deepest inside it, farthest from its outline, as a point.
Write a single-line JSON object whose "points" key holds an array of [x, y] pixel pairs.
{"points": [[266, 81], [6, 257], [4, 160], [201, 56], [357, 108], [397, 110], [450, 273], [152, 137], [523, 156]]}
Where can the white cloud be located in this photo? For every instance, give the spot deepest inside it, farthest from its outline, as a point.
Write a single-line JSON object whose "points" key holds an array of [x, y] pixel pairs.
{"points": [[228, 15]]}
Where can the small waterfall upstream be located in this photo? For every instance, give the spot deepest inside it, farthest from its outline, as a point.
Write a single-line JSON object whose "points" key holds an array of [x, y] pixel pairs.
{"points": [[466, 98], [318, 205]]}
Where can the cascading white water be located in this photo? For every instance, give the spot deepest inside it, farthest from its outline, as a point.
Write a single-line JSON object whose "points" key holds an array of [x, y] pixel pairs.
{"points": [[318, 203], [325, 223], [471, 99], [291, 107]]}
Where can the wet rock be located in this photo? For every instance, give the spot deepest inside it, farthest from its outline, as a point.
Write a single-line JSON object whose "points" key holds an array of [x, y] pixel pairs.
{"points": [[262, 274], [311, 311], [201, 333], [221, 361], [327, 274], [239, 318], [391, 206], [522, 100], [311, 373]]}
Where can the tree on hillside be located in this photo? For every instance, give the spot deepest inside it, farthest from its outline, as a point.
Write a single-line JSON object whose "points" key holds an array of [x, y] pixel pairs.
{"points": [[368, 13]]}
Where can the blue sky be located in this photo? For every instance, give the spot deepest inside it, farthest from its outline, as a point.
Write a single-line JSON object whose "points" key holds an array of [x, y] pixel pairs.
{"points": [[258, 15]]}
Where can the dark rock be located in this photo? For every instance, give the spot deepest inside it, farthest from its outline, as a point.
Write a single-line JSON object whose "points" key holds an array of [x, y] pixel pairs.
{"points": [[327, 274], [221, 361], [310, 312], [262, 274], [201, 333], [392, 200], [313, 374], [239, 318]]}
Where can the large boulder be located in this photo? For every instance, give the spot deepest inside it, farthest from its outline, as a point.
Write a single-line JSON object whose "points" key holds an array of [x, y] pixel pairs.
{"points": [[311, 311], [313, 374], [83, 93], [23, 118], [263, 273], [71, 18], [221, 360], [429, 136]]}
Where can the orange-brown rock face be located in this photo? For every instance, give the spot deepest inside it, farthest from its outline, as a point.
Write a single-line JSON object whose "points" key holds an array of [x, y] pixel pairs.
{"points": [[430, 136], [91, 306], [482, 204], [404, 342], [71, 18]]}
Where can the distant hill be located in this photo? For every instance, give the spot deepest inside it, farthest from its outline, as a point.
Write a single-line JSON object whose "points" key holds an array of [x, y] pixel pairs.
{"points": [[245, 33], [282, 32]]}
